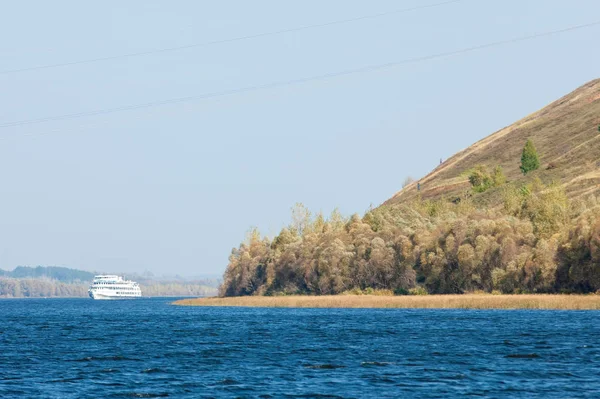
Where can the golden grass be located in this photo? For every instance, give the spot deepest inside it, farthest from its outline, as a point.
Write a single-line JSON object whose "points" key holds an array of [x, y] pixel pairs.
{"points": [[467, 301]]}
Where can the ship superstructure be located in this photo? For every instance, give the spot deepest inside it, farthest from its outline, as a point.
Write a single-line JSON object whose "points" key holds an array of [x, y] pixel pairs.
{"points": [[108, 286]]}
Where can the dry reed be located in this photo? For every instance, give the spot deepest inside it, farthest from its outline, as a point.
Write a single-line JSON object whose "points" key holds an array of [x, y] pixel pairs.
{"points": [[467, 301]]}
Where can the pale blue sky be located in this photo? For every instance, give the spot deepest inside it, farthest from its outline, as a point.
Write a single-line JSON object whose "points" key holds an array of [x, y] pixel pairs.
{"points": [[172, 189]]}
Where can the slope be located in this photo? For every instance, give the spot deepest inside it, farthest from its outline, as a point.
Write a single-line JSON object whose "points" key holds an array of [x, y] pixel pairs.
{"points": [[566, 135]]}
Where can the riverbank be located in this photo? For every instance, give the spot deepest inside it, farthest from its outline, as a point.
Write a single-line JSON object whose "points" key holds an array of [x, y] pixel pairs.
{"points": [[467, 301]]}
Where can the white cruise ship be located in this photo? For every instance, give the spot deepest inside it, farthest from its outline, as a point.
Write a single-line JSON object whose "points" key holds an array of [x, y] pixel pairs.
{"points": [[107, 286]]}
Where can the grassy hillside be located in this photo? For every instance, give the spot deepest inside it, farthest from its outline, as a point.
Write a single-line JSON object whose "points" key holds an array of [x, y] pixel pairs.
{"points": [[565, 134]]}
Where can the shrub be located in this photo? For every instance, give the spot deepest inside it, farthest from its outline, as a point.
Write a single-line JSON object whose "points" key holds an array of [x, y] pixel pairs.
{"points": [[418, 291], [498, 177], [353, 291], [547, 207], [481, 180]]}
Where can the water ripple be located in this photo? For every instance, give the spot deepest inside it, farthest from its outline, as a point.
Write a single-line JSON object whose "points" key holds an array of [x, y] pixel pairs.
{"points": [[80, 348]]}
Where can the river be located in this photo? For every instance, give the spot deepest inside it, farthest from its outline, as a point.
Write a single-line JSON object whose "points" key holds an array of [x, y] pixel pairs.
{"points": [[80, 348]]}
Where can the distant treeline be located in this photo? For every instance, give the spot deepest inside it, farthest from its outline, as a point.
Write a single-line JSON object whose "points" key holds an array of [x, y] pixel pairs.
{"points": [[39, 288], [44, 287], [535, 240], [52, 272], [178, 289], [54, 281]]}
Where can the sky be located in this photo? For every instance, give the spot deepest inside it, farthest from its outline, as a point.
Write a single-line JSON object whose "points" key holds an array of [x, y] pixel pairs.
{"points": [[171, 189]]}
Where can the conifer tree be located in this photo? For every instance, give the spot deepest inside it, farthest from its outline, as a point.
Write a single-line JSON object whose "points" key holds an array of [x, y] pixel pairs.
{"points": [[529, 159]]}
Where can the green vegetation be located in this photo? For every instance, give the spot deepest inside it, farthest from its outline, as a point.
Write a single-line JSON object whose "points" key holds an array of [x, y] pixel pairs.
{"points": [[481, 180], [529, 159]]}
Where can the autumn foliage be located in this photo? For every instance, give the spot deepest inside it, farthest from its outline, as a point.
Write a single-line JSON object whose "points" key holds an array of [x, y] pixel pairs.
{"points": [[537, 241]]}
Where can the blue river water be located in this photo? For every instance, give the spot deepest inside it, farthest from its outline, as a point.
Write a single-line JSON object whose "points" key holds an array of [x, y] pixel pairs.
{"points": [[80, 348]]}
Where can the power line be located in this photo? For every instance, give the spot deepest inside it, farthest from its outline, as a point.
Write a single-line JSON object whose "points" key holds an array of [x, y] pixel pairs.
{"points": [[230, 40], [370, 68]]}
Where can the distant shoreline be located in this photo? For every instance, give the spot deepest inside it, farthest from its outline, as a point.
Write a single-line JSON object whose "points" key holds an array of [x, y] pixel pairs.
{"points": [[88, 297], [467, 301]]}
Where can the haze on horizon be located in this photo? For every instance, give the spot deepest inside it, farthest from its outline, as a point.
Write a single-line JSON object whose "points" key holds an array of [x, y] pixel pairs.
{"points": [[171, 189]]}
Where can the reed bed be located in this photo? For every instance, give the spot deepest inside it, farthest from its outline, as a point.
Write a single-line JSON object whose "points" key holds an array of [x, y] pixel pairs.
{"points": [[467, 301]]}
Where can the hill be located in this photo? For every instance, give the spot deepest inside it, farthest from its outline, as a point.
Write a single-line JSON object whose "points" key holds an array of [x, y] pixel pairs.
{"points": [[565, 134], [475, 223]]}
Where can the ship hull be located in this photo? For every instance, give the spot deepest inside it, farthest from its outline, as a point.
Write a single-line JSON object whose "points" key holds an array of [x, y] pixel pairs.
{"points": [[103, 296]]}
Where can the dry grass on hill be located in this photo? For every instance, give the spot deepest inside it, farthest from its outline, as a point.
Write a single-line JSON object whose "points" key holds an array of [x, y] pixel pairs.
{"points": [[565, 134], [469, 301]]}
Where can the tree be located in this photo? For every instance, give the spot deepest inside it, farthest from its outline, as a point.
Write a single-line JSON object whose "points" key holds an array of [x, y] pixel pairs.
{"points": [[409, 180], [529, 159], [301, 218]]}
